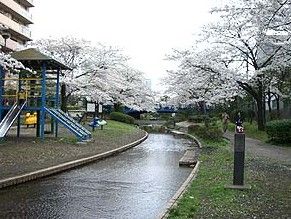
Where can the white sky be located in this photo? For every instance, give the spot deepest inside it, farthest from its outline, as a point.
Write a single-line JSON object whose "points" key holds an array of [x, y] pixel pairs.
{"points": [[145, 29]]}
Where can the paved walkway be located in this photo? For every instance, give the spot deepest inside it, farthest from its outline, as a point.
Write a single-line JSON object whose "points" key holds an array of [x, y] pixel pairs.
{"points": [[256, 147], [261, 149]]}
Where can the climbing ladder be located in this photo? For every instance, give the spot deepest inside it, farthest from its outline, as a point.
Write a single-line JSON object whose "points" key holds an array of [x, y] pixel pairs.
{"points": [[77, 129]]}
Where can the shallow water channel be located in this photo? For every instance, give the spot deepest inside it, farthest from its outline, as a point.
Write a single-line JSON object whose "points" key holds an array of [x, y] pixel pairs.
{"points": [[137, 183]]}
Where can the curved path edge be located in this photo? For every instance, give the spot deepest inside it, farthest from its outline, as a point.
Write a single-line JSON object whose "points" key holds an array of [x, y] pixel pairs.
{"points": [[66, 166], [173, 201], [175, 132]]}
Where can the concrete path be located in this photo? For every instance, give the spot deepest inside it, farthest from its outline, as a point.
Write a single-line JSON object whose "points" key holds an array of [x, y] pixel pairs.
{"points": [[261, 149]]}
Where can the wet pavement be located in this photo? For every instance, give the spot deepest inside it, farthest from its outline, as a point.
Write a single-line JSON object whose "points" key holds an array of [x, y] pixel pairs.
{"points": [[135, 184], [258, 148]]}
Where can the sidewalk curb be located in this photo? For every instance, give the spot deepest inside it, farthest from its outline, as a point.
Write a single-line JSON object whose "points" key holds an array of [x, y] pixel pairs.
{"points": [[195, 139], [180, 192], [65, 166], [175, 132]]}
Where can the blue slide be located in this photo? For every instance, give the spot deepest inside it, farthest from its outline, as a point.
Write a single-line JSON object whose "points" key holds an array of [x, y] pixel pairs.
{"points": [[77, 129], [10, 117]]}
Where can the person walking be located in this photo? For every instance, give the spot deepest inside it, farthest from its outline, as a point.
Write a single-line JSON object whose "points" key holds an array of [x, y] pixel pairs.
{"points": [[239, 123], [225, 120]]}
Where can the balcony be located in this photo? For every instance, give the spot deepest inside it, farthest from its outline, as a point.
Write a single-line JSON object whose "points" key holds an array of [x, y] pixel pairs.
{"points": [[27, 3], [16, 11], [16, 29]]}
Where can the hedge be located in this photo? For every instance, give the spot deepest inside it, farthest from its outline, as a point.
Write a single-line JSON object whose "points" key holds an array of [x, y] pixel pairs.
{"points": [[121, 117], [206, 119], [197, 118], [213, 133], [279, 130]]}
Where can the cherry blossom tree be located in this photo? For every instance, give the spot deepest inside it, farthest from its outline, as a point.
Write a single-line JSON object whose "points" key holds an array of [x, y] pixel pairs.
{"points": [[109, 78], [134, 93], [100, 72], [202, 77], [248, 43], [10, 64], [70, 51], [257, 32]]}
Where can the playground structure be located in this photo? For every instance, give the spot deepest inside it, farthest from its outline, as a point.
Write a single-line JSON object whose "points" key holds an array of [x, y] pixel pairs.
{"points": [[30, 119], [35, 92], [96, 122]]}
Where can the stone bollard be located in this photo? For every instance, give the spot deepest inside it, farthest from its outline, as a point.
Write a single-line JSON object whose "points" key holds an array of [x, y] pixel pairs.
{"points": [[239, 162], [239, 159]]}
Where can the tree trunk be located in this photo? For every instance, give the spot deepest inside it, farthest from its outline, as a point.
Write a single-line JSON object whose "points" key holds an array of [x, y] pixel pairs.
{"points": [[278, 105], [117, 107], [261, 108], [269, 103], [261, 119], [63, 98], [260, 101]]}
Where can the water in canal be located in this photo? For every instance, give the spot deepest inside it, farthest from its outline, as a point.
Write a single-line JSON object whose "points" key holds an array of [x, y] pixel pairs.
{"points": [[135, 184]]}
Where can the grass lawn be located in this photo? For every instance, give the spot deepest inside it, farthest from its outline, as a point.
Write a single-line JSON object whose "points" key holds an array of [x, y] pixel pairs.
{"points": [[206, 197], [113, 129]]}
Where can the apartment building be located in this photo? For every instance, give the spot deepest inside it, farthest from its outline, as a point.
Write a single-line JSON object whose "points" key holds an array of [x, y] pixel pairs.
{"points": [[15, 19]]}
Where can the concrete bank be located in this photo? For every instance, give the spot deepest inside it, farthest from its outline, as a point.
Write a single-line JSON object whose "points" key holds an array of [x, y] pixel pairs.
{"points": [[173, 201], [197, 142], [65, 166]]}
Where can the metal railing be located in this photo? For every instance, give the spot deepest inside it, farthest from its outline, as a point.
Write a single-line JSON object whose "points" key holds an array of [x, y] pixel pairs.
{"points": [[15, 26]]}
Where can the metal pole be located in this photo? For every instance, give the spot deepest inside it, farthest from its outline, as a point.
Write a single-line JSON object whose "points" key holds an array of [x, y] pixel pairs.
{"points": [[38, 123], [1, 90], [57, 103], [43, 99], [17, 99], [100, 112]]}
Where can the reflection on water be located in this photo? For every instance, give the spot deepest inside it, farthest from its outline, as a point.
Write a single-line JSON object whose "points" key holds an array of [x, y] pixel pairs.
{"points": [[135, 184]]}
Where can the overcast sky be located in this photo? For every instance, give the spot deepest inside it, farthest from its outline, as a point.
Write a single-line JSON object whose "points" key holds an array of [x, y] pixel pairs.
{"points": [[145, 29]]}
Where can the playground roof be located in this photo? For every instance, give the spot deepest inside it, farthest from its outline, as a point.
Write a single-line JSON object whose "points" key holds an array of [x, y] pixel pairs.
{"points": [[32, 58]]}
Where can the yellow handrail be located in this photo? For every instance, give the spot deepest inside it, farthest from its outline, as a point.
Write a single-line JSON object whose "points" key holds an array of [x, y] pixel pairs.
{"points": [[21, 79], [9, 95]]}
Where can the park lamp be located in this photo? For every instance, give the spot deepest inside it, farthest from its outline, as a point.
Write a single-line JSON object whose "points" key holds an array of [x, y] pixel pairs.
{"points": [[4, 33]]}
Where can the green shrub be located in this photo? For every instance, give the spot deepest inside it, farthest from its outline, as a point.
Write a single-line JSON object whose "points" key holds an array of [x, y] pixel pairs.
{"points": [[121, 117], [170, 124], [193, 128], [73, 107], [279, 130], [196, 118], [154, 128], [213, 133], [206, 119], [180, 117], [165, 116], [274, 115]]}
